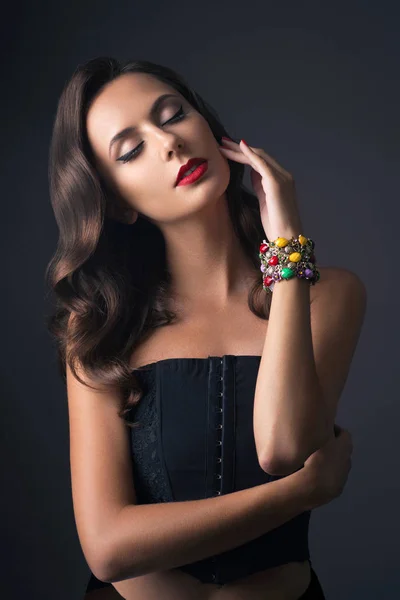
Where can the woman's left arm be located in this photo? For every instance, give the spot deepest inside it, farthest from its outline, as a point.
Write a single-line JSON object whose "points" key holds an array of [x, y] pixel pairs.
{"points": [[305, 363], [308, 349]]}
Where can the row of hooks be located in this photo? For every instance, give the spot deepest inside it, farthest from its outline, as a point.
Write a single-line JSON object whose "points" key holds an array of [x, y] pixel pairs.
{"points": [[219, 411]]}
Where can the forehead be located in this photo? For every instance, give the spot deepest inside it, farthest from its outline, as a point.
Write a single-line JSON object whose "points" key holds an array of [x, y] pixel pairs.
{"points": [[120, 103]]}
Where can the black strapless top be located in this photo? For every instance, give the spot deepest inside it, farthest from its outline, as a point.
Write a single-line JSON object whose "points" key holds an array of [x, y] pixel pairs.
{"points": [[196, 440]]}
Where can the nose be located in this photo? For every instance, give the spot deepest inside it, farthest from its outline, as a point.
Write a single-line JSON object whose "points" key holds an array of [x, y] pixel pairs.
{"points": [[170, 144]]}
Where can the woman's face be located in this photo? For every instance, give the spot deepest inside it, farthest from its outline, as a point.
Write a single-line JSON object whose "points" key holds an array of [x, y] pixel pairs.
{"points": [[162, 142]]}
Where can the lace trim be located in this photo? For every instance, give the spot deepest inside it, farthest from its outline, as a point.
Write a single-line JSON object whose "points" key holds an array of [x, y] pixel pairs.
{"points": [[151, 484]]}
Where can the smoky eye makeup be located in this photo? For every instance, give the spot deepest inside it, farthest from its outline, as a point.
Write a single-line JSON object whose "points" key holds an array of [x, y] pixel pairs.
{"points": [[177, 116]]}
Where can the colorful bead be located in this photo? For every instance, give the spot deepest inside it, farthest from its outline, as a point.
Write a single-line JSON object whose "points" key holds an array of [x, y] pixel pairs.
{"points": [[295, 257], [303, 240], [287, 273], [267, 281], [284, 259]]}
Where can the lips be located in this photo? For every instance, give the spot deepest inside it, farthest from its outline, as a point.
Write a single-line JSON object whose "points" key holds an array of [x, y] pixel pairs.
{"points": [[193, 162]]}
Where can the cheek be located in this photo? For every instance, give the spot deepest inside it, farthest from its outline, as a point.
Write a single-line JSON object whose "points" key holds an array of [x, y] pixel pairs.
{"points": [[145, 186], [198, 122], [224, 173], [140, 179]]}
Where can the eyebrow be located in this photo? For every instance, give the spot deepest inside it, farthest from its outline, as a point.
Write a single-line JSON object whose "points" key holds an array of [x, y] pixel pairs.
{"points": [[129, 130]]}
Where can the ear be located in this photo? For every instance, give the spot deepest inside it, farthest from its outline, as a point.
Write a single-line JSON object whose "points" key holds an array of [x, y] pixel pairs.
{"points": [[126, 215], [131, 216], [119, 211]]}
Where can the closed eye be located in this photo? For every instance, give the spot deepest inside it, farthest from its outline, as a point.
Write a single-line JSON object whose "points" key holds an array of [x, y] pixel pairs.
{"points": [[129, 155]]}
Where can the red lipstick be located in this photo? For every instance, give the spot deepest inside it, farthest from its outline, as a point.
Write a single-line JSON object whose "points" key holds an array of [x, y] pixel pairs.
{"points": [[200, 163]]}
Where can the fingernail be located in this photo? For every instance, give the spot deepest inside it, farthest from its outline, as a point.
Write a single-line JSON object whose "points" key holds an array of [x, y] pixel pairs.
{"points": [[226, 138], [244, 142]]}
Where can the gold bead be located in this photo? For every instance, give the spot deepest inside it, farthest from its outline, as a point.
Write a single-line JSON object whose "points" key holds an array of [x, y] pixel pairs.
{"points": [[303, 240], [281, 242]]}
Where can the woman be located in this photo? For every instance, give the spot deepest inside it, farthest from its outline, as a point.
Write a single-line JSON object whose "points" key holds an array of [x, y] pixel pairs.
{"points": [[158, 283]]}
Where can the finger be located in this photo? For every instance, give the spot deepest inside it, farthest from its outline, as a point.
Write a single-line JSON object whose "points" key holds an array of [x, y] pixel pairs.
{"points": [[234, 155], [228, 142], [266, 158], [258, 162]]}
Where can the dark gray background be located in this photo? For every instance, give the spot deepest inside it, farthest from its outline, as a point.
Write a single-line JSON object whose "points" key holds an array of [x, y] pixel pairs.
{"points": [[317, 86]]}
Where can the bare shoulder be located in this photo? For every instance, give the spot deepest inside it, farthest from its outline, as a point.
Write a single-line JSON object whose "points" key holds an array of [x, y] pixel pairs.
{"points": [[339, 276], [333, 279], [342, 288]]}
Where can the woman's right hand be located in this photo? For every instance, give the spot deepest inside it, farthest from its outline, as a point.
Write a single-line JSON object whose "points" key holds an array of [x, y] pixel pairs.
{"points": [[328, 468]]}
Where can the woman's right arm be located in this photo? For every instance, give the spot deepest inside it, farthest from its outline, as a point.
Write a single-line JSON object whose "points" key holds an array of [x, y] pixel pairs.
{"points": [[122, 539], [156, 537]]}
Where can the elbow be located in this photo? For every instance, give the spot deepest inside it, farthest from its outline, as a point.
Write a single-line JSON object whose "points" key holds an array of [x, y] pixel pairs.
{"points": [[113, 572], [282, 462], [114, 566], [111, 553], [281, 468], [96, 551], [288, 464], [103, 566], [107, 570], [100, 570]]}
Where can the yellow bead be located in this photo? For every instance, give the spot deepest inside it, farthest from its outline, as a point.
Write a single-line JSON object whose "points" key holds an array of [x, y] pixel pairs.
{"points": [[303, 240], [281, 242], [295, 257]]}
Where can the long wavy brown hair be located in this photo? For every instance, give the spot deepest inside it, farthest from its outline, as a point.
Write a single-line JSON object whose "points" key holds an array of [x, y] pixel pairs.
{"points": [[110, 279]]}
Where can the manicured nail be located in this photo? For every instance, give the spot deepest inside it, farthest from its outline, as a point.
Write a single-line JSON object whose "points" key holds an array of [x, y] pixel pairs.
{"points": [[226, 138], [244, 142]]}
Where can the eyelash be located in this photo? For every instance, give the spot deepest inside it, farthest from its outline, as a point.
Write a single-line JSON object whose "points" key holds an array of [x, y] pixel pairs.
{"points": [[127, 157]]}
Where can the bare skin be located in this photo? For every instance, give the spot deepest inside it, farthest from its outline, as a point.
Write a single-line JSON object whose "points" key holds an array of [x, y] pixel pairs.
{"points": [[205, 260], [210, 278], [200, 333]]}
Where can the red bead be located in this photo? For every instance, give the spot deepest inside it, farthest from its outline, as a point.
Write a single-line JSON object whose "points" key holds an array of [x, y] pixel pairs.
{"points": [[273, 260], [264, 247], [267, 281]]}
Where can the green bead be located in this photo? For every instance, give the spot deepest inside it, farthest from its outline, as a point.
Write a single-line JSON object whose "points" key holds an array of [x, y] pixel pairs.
{"points": [[287, 273]]}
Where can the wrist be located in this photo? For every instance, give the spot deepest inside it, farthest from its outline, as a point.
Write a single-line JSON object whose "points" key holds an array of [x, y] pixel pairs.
{"points": [[285, 258], [305, 489]]}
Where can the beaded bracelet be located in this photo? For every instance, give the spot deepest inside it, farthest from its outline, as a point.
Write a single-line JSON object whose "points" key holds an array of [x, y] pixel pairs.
{"points": [[284, 259]]}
